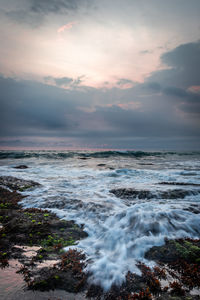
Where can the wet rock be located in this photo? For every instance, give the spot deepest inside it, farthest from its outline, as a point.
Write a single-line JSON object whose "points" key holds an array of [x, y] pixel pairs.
{"points": [[9, 200], [177, 194], [173, 250], [146, 164], [75, 204], [179, 183], [21, 167], [181, 260], [195, 209], [15, 184], [24, 228], [67, 275], [63, 202], [33, 227], [131, 194]]}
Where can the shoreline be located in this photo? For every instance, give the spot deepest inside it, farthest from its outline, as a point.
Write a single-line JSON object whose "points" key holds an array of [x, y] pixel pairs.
{"points": [[34, 239]]}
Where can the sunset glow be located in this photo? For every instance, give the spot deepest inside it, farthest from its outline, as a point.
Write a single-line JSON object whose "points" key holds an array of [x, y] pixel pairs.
{"points": [[129, 62]]}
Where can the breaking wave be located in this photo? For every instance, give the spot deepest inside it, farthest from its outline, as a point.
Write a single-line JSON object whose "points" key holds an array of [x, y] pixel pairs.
{"points": [[125, 209], [86, 154]]}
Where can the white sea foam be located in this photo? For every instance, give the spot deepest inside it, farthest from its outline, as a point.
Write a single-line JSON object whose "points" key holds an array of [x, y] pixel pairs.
{"points": [[119, 231]]}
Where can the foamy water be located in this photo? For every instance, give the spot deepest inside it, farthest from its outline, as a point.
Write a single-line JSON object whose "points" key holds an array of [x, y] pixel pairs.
{"points": [[120, 231]]}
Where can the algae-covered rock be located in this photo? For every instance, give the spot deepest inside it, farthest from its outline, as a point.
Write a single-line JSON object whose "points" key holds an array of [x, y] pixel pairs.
{"points": [[17, 184]]}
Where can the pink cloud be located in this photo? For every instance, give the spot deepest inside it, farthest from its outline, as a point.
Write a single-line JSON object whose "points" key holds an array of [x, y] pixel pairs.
{"points": [[194, 89], [66, 27], [130, 105]]}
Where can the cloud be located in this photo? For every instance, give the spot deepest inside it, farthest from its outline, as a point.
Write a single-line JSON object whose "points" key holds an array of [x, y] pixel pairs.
{"points": [[28, 108], [154, 86], [165, 108], [33, 12], [184, 57], [183, 64], [66, 27], [180, 81], [53, 6], [146, 52], [124, 82], [78, 80], [194, 89], [64, 81], [174, 91]]}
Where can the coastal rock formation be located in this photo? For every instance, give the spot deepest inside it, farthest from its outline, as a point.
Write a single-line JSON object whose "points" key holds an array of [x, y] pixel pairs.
{"points": [[130, 193], [21, 167], [15, 184]]}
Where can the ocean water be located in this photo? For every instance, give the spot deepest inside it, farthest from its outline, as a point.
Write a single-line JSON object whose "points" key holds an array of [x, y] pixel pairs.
{"points": [[76, 186]]}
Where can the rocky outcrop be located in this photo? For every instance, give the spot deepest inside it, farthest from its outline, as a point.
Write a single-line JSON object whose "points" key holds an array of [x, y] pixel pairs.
{"points": [[17, 184], [129, 193], [21, 167]]}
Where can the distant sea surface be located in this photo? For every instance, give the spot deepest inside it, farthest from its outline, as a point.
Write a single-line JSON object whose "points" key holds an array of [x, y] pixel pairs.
{"points": [[128, 201]]}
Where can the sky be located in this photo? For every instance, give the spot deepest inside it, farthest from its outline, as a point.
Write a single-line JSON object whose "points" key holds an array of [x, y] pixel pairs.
{"points": [[111, 74]]}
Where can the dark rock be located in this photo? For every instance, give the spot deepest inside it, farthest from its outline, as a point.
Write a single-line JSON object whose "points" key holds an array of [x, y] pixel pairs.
{"points": [[179, 183], [34, 226], [174, 250], [131, 194], [67, 275], [15, 184], [145, 164], [21, 167], [194, 209], [177, 194]]}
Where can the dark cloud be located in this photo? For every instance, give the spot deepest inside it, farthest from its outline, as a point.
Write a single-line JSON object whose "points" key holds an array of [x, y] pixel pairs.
{"points": [[183, 95], [53, 6], [176, 82], [28, 107], [184, 63], [191, 108], [155, 86], [33, 12], [174, 91], [184, 57], [145, 124], [64, 81], [124, 81]]}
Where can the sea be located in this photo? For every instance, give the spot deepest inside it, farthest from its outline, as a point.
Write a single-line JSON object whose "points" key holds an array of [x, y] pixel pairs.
{"points": [[127, 201]]}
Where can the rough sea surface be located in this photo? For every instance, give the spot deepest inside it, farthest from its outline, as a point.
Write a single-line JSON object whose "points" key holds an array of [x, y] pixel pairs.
{"points": [[128, 201]]}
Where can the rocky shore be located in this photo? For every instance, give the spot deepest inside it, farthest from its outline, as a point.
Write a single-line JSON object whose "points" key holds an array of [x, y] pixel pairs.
{"points": [[35, 238]]}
